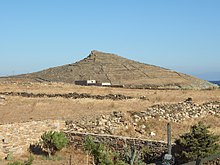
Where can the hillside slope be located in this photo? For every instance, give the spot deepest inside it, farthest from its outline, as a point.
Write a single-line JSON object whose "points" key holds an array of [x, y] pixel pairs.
{"points": [[106, 67]]}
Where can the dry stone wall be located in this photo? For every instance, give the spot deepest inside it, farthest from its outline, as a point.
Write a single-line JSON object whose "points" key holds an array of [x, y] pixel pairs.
{"points": [[70, 95], [118, 122], [155, 149], [16, 138], [178, 112]]}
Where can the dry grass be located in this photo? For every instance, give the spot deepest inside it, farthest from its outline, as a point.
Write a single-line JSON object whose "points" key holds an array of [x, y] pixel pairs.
{"points": [[64, 157], [19, 109]]}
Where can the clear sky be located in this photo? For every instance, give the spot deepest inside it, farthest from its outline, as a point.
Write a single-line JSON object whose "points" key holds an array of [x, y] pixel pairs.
{"points": [[182, 35]]}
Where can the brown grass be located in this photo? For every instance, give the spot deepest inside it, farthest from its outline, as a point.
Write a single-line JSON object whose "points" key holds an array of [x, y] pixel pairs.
{"points": [[20, 109]]}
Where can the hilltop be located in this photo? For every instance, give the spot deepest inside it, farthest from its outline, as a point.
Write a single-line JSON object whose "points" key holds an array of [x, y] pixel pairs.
{"points": [[114, 69]]}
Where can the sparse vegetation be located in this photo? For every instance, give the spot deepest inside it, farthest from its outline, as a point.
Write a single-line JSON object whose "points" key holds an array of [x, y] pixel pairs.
{"points": [[52, 157], [102, 155], [43, 110], [53, 141], [9, 157], [132, 156], [198, 143], [15, 163], [27, 162]]}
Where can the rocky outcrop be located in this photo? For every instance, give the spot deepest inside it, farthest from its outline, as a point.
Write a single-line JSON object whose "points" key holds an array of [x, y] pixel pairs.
{"points": [[116, 70]]}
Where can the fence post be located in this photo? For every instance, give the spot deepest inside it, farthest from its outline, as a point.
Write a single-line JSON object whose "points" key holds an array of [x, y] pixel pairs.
{"points": [[169, 138], [70, 160]]}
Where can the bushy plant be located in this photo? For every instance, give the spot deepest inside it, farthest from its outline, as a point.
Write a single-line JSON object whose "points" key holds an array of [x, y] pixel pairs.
{"points": [[30, 160], [196, 144], [132, 156], [99, 152], [53, 141], [9, 157], [103, 155]]}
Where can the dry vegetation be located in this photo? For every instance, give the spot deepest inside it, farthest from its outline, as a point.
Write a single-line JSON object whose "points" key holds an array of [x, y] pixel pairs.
{"points": [[17, 109], [21, 109]]}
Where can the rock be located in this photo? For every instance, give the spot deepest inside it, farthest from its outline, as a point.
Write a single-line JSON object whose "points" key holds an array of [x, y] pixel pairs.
{"points": [[152, 134], [143, 126], [189, 100]]}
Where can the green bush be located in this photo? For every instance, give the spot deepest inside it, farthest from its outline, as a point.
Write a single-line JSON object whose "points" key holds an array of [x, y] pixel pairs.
{"points": [[103, 155], [196, 144], [30, 160], [9, 157], [53, 141], [100, 153], [132, 156]]}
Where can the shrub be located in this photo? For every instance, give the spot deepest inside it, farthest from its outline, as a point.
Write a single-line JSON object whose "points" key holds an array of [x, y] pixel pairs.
{"points": [[132, 156], [99, 152], [196, 144], [30, 160], [103, 155], [9, 157], [53, 141]]}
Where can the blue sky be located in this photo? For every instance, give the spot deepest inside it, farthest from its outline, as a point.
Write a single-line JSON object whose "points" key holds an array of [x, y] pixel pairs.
{"points": [[179, 35]]}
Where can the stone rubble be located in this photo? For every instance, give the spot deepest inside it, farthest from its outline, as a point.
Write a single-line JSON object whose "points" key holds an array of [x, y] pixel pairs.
{"points": [[178, 112], [118, 122], [2, 100], [17, 137]]}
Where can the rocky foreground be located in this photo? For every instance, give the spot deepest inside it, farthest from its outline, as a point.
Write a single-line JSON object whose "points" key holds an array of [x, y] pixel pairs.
{"points": [[117, 122]]}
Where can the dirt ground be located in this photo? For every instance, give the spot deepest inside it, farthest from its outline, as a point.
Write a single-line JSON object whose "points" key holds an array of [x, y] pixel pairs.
{"points": [[20, 109], [68, 156]]}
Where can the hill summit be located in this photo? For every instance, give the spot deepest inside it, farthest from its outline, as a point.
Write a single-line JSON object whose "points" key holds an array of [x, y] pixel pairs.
{"points": [[116, 70]]}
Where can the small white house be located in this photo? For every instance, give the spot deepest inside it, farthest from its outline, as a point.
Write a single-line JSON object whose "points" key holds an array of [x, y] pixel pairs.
{"points": [[106, 84], [91, 82], [86, 82]]}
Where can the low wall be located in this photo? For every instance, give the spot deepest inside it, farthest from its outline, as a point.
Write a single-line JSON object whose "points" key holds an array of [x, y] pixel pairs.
{"points": [[156, 149], [16, 138]]}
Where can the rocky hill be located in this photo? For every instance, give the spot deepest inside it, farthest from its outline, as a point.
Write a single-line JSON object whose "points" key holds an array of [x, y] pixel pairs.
{"points": [[111, 68]]}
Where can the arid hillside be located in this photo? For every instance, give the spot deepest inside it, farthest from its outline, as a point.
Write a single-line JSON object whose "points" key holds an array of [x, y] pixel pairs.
{"points": [[116, 70]]}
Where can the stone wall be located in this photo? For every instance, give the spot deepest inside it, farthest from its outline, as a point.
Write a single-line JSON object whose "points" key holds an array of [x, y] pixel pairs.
{"points": [[178, 112], [117, 122], [70, 95], [155, 149], [16, 138]]}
